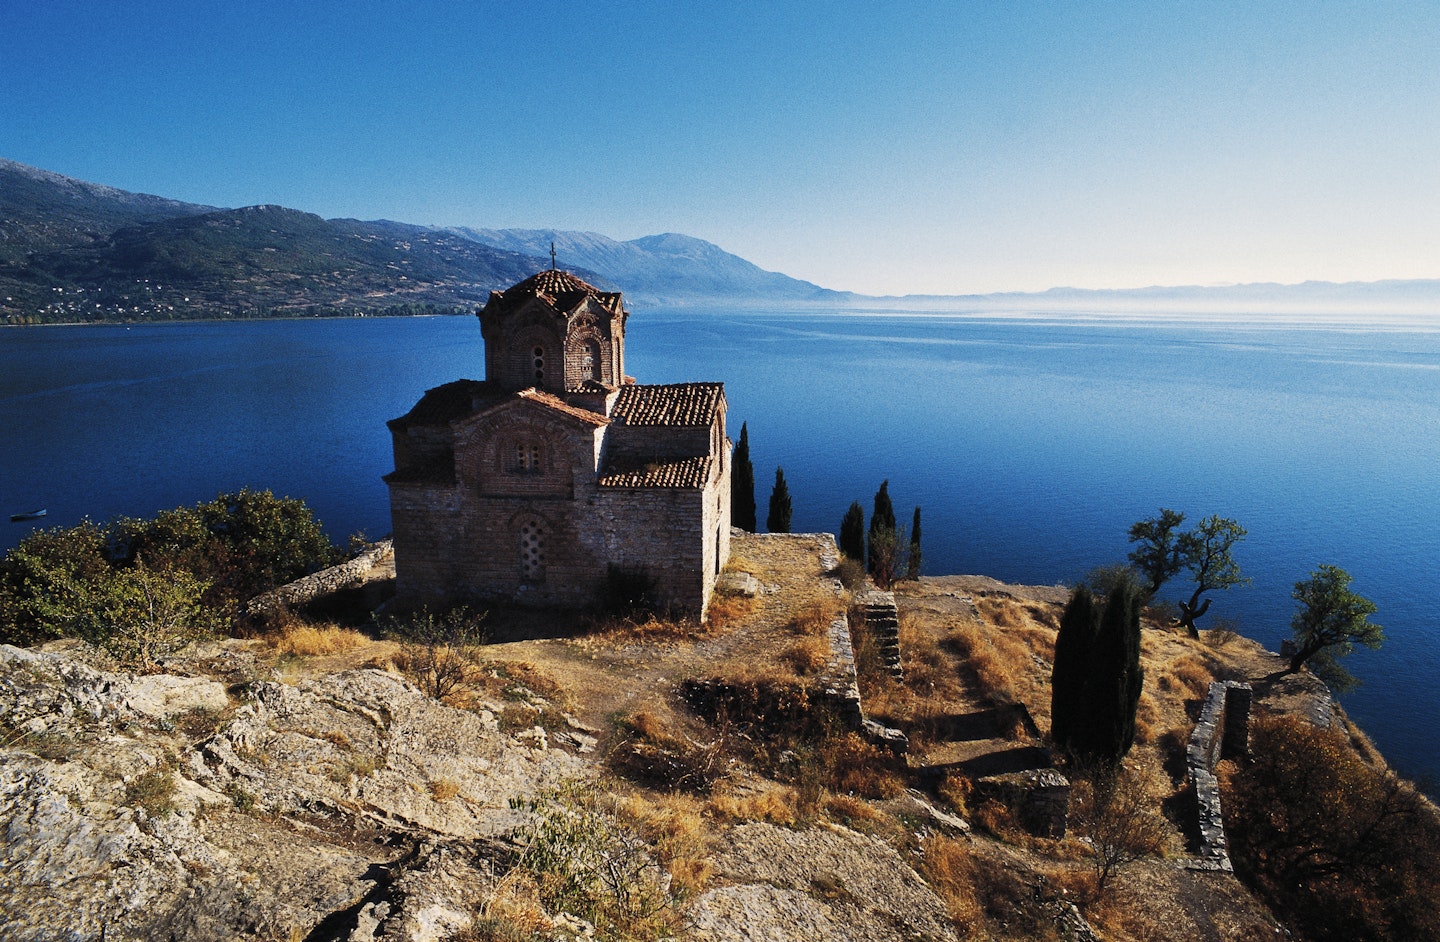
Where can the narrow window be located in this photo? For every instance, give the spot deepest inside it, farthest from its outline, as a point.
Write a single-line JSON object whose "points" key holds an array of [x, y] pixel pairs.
{"points": [[525, 458], [593, 366], [539, 363], [532, 552]]}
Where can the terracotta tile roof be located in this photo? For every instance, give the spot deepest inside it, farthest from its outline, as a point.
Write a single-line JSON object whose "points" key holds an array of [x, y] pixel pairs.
{"points": [[675, 472], [560, 289], [681, 404], [560, 405], [444, 404], [592, 386]]}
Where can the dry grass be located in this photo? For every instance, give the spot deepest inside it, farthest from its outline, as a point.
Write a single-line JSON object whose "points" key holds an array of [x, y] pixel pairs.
{"points": [[726, 611], [854, 766], [807, 656], [651, 626], [444, 789], [998, 662], [957, 791], [310, 640], [512, 911], [1000, 611], [815, 617], [950, 870], [777, 804], [1188, 675], [675, 827], [856, 814], [651, 752]]}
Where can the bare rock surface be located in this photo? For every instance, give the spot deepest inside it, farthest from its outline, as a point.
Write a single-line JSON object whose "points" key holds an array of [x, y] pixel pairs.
{"points": [[822, 883], [350, 806]]}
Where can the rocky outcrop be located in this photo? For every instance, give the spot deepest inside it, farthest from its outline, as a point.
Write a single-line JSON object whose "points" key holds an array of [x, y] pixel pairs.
{"points": [[161, 807]]}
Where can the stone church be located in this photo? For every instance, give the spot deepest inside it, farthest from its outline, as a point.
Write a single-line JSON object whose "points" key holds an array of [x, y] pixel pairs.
{"points": [[558, 472]]}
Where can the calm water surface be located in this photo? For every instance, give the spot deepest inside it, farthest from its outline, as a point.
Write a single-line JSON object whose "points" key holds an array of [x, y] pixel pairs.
{"points": [[1030, 443]]}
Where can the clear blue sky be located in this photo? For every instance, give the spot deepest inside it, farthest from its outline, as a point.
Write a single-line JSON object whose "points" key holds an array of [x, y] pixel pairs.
{"points": [[870, 146]]}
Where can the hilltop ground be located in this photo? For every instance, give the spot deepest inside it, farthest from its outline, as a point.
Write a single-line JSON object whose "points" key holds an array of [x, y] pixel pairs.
{"points": [[298, 786]]}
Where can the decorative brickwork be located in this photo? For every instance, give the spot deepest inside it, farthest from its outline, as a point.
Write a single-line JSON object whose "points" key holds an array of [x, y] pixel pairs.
{"points": [[534, 483]]}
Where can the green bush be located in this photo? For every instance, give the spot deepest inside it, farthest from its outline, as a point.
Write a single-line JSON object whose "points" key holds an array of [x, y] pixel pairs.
{"points": [[141, 587]]}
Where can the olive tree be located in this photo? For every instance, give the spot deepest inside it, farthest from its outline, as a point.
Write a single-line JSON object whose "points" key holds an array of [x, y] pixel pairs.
{"points": [[1331, 621], [1207, 552], [1161, 553]]}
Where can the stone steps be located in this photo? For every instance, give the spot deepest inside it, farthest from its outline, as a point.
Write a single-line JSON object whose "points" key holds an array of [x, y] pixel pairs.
{"points": [[883, 622]]}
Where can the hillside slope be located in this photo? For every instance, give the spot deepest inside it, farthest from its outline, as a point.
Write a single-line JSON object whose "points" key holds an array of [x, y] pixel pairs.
{"points": [[77, 251]]}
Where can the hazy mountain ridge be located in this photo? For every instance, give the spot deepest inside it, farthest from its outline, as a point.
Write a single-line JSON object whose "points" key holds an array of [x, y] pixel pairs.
{"points": [[1392, 296], [72, 250], [669, 268]]}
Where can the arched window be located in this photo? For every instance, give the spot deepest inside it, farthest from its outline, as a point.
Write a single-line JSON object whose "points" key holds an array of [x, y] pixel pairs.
{"points": [[537, 354], [532, 551]]}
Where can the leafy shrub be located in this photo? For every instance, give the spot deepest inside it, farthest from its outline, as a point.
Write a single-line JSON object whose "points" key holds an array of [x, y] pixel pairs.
{"points": [[585, 863], [439, 653]]}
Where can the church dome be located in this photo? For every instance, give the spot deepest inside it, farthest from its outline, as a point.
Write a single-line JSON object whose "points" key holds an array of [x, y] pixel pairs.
{"points": [[561, 290]]}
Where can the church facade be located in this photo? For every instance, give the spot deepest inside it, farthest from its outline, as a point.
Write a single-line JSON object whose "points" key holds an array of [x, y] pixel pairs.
{"points": [[558, 475]]}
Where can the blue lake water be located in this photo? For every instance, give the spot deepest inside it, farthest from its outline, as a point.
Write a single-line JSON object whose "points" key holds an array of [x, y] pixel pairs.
{"points": [[1031, 443]]}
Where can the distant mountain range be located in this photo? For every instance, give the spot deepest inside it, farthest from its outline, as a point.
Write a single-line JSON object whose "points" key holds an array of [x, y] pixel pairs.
{"points": [[662, 269], [77, 251]]}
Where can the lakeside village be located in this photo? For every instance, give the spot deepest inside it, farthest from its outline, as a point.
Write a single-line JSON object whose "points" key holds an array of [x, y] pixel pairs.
{"points": [[576, 695]]}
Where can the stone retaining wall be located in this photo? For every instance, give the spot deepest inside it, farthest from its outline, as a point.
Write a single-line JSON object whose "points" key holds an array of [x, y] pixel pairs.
{"points": [[350, 574], [1222, 732], [840, 681]]}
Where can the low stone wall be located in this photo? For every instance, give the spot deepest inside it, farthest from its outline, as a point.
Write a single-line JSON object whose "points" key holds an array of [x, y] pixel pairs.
{"points": [[350, 574], [1040, 799], [841, 687], [1222, 732]]}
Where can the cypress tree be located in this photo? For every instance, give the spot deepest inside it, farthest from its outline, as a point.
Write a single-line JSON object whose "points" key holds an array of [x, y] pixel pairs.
{"points": [[882, 525], [852, 533], [778, 520], [912, 567], [1116, 676], [742, 485], [1074, 646]]}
